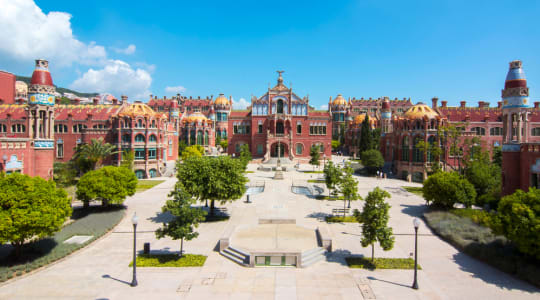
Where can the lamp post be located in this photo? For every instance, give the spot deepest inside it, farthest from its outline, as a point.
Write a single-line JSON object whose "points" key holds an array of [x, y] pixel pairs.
{"points": [[4, 158], [324, 159], [416, 224], [134, 220]]}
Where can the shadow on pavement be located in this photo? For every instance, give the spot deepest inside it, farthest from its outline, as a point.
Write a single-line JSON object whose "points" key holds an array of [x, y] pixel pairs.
{"points": [[395, 283], [413, 210], [318, 215], [119, 280], [491, 275], [338, 256], [162, 217]]}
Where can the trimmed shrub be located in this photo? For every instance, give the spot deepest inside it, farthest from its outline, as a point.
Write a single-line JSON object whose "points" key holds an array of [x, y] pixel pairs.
{"points": [[380, 263], [445, 189]]}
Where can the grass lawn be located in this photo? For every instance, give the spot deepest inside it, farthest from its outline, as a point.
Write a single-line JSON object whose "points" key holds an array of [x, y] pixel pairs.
{"points": [[340, 219], [250, 172], [414, 189], [169, 260], [380, 263], [143, 185], [94, 221], [331, 198], [316, 180]]}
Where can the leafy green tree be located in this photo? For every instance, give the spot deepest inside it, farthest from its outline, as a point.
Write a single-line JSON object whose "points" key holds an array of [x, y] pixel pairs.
{"points": [[192, 151], [374, 219], [518, 218], [375, 139], [315, 156], [185, 218], [451, 136], [335, 145], [208, 178], [484, 175], [444, 189], [433, 154], [332, 177], [218, 139], [372, 160], [497, 156], [349, 187], [365, 136], [95, 152], [224, 144], [127, 159], [64, 174], [181, 145], [108, 184], [245, 155], [30, 207]]}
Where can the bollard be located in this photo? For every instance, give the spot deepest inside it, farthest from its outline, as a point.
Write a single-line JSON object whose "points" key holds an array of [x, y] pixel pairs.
{"points": [[146, 248]]}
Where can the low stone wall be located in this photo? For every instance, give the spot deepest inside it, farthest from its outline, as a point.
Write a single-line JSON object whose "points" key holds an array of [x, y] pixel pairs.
{"points": [[324, 239], [277, 221]]}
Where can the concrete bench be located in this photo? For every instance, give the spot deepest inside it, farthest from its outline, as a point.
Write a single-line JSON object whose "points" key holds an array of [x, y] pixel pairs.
{"points": [[336, 211]]}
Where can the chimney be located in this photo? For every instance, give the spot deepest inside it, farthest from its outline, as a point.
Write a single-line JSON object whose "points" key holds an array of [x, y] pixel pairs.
{"points": [[499, 104], [151, 96], [434, 101], [155, 97], [443, 103], [56, 100], [124, 99], [536, 104], [76, 101], [486, 104], [462, 104], [115, 101], [480, 104], [95, 100]]}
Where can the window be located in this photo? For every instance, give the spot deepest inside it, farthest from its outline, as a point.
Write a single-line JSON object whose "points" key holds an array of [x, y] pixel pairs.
{"points": [[259, 149], [78, 128], [152, 153], [430, 156], [170, 148], [299, 128], [317, 129], [299, 148], [535, 131], [139, 154], [139, 174], [237, 147], [139, 138], [59, 150], [17, 128], [417, 153], [152, 138], [139, 123], [279, 128], [241, 129], [280, 106], [206, 139], [153, 124], [260, 130], [479, 130], [3, 128], [405, 149], [99, 126], [59, 128], [126, 138]]}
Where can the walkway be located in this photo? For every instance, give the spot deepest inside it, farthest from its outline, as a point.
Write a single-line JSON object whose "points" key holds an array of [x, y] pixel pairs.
{"points": [[101, 270]]}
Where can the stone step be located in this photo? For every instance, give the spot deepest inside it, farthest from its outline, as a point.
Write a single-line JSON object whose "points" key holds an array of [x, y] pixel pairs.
{"points": [[312, 260], [235, 254], [312, 252], [233, 258], [312, 256], [239, 251]]}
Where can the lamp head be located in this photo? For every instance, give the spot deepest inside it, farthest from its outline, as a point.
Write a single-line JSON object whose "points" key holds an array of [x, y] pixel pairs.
{"points": [[4, 157], [135, 219], [416, 223]]}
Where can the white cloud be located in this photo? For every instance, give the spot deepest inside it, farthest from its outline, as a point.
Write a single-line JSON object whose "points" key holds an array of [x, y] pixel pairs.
{"points": [[240, 104], [118, 78], [27, 33], [128, 50], [323, 107], [175, 89], [148, 67]]}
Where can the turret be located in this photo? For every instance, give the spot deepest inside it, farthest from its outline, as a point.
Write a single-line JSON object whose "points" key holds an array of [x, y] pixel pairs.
{"points": [[515, 102]]}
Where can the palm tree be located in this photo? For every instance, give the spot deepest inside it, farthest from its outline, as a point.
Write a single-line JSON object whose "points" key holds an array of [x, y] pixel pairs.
{"points": [[95, 152]]}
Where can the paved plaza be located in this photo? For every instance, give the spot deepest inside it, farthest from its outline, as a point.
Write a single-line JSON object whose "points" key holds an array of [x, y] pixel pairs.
{"points": [[100, 271]]}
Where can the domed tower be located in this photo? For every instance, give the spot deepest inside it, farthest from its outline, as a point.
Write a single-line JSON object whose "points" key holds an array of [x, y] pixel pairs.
{"points": [[41, 101], [222, 109], [338, 111], [386, 116], [515, 102]]}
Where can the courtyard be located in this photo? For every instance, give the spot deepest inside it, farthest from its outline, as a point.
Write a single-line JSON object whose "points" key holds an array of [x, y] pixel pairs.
{"points": [[101, 271]]}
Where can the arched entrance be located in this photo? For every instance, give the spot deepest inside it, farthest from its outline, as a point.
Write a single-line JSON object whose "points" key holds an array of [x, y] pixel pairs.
{"points": [[283, 148]]}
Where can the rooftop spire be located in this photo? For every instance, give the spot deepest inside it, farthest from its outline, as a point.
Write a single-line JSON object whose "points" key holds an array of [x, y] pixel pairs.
{"points": [[280, 78]]}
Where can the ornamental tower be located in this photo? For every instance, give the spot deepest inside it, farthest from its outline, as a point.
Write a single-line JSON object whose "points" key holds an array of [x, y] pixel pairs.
{"points": [[41, 101], [386, 116], [515, 102]]}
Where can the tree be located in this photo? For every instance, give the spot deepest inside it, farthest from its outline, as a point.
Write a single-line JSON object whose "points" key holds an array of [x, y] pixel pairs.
{"points": [[30, 207], [245, 155], [95, 152], [433, 154], [213, 178], [372, 160], [64, 174], [335, 145], [484, 176], [374, 219], [497, 156], [365, 136], [186, 218], [518, 218], [224, 144], [332, 177], [315, 156], [192, 151], [444, 189], [181, 146], [375, 139], [127, 159], [108, 184], [218, 139], [349, 187]]}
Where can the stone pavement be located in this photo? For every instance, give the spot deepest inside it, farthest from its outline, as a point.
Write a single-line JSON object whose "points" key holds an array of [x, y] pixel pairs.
{"points": [[100, 271]]}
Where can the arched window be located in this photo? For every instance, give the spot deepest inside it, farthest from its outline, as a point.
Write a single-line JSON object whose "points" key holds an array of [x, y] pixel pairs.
{"points": [[299, 149], [139, 138], [192, 137], [199, 138], [206, 138], [140, 174], [479, 130], [153, 123], [405, 149], [139, 123], [126, 138], [279, 127], [224, 134], [280, 106], [152, 138], [417, 153], [431, 141]]}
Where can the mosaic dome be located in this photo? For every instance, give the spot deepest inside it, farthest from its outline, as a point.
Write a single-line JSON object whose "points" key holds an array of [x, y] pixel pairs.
{"points": [[221, 100], [339, 100], [196, 117], [138, 109], [420, 111]]}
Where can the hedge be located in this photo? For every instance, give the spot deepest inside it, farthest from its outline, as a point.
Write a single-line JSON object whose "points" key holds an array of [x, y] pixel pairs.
{"points": [[169, 260], [380, 263]]}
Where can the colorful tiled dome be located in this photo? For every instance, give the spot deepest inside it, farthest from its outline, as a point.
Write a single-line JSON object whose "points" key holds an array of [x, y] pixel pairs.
{"points": [[221, 100], [138, 109], [196, 117], [420, 111], [339, 100]]}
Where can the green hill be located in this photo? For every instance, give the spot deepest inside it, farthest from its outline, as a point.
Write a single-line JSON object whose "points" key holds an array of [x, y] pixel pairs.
{"points": [[60, 89]]}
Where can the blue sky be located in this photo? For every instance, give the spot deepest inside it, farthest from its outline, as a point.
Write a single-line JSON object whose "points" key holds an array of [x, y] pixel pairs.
{"points": [[455, 50]]}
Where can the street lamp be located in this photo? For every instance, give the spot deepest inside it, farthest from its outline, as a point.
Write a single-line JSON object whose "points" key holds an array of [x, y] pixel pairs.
{"points": [[416, 223], [324, 159], [134, 220]]}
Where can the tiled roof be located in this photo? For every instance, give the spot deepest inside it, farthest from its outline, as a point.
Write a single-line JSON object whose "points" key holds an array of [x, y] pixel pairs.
{"points": [[15, 110], [81, 112]]}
